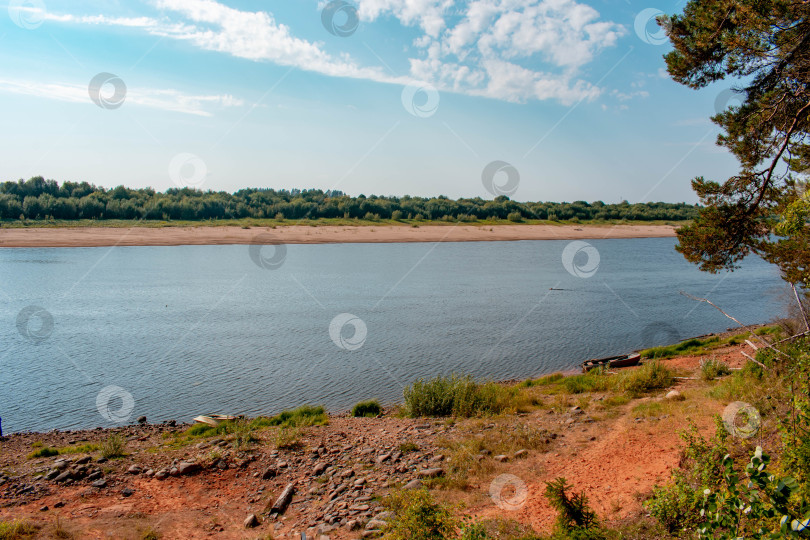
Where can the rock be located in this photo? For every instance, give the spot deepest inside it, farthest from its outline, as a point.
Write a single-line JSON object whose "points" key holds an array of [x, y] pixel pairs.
{"points": [[59, 504], [186, 467], [371, 534], [43, 509], [127, 492], [251, 521], [352, 525], [99, 484], [102, 459], [60, 464], [485, 452], [576, 410], [95, 476], [134, 469], [319, 469], [53, 473], [431, 473], [521, 454], [383, 457], [161, 474], [675, 395], [376, 524], [83, 460], [65, 476], [269, 473], [501, 458], [141, 420], [413, 484]]}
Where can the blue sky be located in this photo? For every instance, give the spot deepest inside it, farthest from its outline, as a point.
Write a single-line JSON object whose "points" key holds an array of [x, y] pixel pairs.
{"points": [[378, 96]]}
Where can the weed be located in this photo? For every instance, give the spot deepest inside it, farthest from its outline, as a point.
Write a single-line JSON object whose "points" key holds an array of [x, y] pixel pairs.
{"points": [[711, 368], [416, 516], [46, 451], [113, 446], [16, 530], [368, 409]]}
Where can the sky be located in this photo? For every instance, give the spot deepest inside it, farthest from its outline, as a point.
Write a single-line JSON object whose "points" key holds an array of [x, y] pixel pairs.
{"points": [[385, 97]]}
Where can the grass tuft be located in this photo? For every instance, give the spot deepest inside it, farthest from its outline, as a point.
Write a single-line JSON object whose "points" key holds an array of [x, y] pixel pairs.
{"points": [[456, 396], [367, 409], [113, 446], [43, 452], [16, 530]]}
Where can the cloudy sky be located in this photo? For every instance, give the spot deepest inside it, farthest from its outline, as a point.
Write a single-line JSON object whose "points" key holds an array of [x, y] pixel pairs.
{"points": [[390, 97]]}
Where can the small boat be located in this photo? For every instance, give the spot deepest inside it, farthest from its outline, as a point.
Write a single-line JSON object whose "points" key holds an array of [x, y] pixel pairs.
{"points": [[213, 419], [620, 361]]}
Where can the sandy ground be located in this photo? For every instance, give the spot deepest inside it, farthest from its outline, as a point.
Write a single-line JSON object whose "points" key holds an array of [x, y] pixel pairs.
{"points": [[304, 234]]}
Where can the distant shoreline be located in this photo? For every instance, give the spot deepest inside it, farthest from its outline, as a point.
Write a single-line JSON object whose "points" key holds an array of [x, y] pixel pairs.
{"points": [[306, 234]]}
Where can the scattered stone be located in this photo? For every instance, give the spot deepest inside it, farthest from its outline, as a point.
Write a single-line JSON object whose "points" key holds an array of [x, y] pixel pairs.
{"points": [[269, 473], [161, 474], [65, 476], [413, 484], [43, 509], [141, 420], [127, 492], [251, 521], [521, 454], [59, 504], [83, 460], [134, 469], [674, 395], [99, 484], [431, 473], [186, 467], [502, 458], [319, 469]]}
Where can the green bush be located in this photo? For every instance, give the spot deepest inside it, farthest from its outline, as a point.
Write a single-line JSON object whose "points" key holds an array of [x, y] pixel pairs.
{"points": [[416, 516], [677, 505], [113, 446], [367, 409], [305, 415], [515, 217], [651, 376], [396, 215], [457, 396], [711, 368], [43, 452], [575, 519]]}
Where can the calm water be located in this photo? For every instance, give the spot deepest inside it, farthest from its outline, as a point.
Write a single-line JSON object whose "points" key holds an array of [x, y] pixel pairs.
{"points": [[172, 332]]}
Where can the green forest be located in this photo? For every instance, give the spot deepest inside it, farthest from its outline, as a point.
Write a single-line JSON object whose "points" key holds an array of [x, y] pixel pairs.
{"points": [[40, 199]]}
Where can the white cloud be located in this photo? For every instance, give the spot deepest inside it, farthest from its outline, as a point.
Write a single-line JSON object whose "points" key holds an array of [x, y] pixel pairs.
{"points": [[163, 99], [489, 48]]}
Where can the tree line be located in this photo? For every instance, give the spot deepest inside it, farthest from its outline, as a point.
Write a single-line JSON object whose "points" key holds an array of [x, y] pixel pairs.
{"points": [[40, 199]]}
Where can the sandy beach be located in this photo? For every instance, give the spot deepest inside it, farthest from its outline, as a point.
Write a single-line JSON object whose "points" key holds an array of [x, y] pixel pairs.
{"points": [[304, 234]]}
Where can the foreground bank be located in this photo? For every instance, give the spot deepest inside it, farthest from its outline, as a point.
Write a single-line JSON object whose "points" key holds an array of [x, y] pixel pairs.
{"points": [[614, 437]]}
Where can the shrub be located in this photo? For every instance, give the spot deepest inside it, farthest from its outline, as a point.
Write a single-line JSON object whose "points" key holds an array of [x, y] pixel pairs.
{"points": [[575, 519], [113, 446], [651, 376], [367, 409], [416, 516], [515, 217], [305, 415], [396, 215], [711, 368], [455, 395], [43, 452], [16, 530]]}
